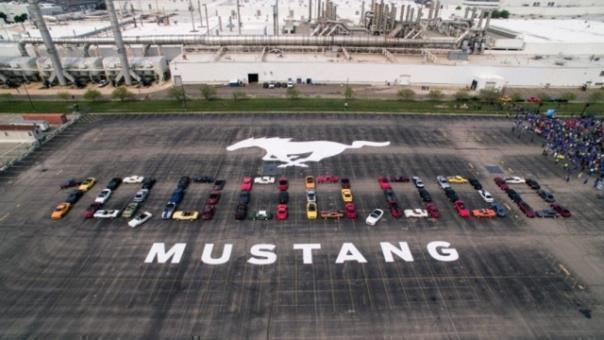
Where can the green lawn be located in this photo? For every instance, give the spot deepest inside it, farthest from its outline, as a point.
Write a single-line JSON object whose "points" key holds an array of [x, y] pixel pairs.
{"points": [[276, 104]]}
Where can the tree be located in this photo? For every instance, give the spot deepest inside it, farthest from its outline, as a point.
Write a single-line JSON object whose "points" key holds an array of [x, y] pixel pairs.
{"points": [[570, 96], [504, 14], [489, 95], [293, 93], [177, 93], [596, 96], [348, 94], [64, 96], [207, 92], [92, 95], [4, 17], [462, 95], [517, 97], [122, 94], [238, 95], [20, 18], [405, 94], [435, 95]]}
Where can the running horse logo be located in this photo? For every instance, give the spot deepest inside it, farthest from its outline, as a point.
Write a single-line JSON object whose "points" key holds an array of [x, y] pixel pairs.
{"points": [[299, 153]]}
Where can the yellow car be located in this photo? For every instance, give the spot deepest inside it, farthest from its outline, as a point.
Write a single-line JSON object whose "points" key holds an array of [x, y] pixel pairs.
{"points": [[185, 215], [346, 195], [311, 210], [457, 179], [505, 99], [60, 211], [87, 184], [309, 182]]}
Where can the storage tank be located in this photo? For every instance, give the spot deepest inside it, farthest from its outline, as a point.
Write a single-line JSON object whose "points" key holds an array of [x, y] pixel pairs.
{"points": [[16, 70], [143, 69]]}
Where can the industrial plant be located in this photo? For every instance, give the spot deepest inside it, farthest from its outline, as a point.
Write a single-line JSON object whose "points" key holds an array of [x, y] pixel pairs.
{"points": [[448, 43]]}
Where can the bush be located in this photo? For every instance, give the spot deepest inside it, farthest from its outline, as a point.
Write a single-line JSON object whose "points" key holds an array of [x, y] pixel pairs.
{"points": [[436, 95], [239, 95], [92, 95], [462, 95], [570, 96], [177, 93], [122, 94], [489, 95], [293, 93], [503, 14], [405, 94], [517, 97], [348, 94], [207, 92], [596, 96]]}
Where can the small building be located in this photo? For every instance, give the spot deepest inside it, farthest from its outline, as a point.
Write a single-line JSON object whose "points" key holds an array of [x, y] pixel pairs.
{"points": [[19, 134]]}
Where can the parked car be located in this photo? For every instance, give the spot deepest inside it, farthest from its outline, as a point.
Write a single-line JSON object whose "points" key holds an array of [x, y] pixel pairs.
{"points": [[526, 209], [130, 209], [74, 196], [282, 212], [140, 219], [70, 183], [283, 197], [546, 195], [283, 183], [457, 179], [533, 184], [499, 181], [383, 182], [547, 213], [432, 210], [103, 196], [328, 179], [208, 212], [395, 210], [244, 197], [168, 211], [499, 209], [92, 208], [475, 183], [264, 180], [514, 180], [311, 210], [87, 184], [442, 181], [331, 214], [241, 212], [561, 210], [418, 182], [214, 198], [60, 211], [311, 196], [219, 184], [399, 179], [488, 213], [461, 208], [133, 179], [375, 216], [345, 183], [346, 195], [425, 195], [262, 215], [181, 215], [183, 182], [416, 213], [114, 183], [148, 183], [177, 196], [451, 194], [351, 211], [513, 195], [486, 196], [203, 179], [107, 213], [309, 183], [141, 195]]}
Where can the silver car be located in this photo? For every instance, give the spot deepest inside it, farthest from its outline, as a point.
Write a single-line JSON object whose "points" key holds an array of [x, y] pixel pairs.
{"points": [[418, 182], [442, 181], [141, 195], [311, 196]]}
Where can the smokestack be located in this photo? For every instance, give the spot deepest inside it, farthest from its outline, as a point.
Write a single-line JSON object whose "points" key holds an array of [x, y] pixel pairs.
{"points": [[117, 35], [411, 15], [34, 10], [465, 16], [408, 15], [192, 11], [318, 9], [402, 14], [238, 19], [486, 26], [230, 23], [481, 18], [200, 16], [205, 7], [419, 14], [437, 10], [363, 12], [309, 10], [276, 18], [431, 11], [220, 23]]}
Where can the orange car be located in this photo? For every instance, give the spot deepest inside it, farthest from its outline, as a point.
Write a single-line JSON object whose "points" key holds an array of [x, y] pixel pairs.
{"points": [[489, 213], [309, 183], [60, 211]]}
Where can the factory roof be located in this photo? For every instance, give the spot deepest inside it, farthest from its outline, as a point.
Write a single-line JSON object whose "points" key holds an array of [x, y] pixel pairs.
{"points": [[549, 30]]}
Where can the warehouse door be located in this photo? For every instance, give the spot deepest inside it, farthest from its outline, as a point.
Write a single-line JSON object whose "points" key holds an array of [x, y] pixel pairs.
{"points": [[252, 78]]}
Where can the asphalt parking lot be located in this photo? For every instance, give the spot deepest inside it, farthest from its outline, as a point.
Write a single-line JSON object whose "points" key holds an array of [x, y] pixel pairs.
{"points": [[515, 277]]}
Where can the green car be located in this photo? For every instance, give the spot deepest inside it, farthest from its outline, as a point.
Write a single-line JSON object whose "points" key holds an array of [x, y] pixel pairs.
{"points": [[130, 210], [262, 215]]}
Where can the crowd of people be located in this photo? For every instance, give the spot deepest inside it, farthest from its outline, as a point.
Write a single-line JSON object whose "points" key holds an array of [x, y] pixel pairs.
{"points": [[576, 143]]}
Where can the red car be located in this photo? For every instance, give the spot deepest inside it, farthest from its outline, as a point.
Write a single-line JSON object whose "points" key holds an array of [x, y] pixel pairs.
{"points": [[504, 187], [282, 212], [526, 209], [461, 208], [384, 184], [213, 198], [395, 210], [327, 179], [283, 184], [345, 183], [432, 210], [246, 184], [89, 212], [561, 210], [533, 99], [499, 181], [208, 212], [351, 211], [399, 179]]}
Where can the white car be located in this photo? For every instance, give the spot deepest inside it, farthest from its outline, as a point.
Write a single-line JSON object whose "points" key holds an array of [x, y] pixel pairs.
{"points": [[134, 179], [486, 196], [109, 213], [374, 217], [103, 196], [141, 195], [514, 180], [419, 213], [442, 181], [311, 196], [264, 180], [140, 219], [418, 182]]}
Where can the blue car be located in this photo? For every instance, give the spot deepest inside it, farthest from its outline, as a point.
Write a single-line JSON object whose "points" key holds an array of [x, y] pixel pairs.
{"points": [[499, 209], [168, 211], [177, 196]]}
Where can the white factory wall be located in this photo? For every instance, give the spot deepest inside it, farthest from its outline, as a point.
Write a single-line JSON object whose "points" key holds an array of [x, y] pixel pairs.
{"points": [[19, 136], [197, 73]]}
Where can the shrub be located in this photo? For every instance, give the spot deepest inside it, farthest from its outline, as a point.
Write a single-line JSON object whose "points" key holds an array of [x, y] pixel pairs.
{"points": [[122, 94], [92, 95], [406, 94], [177, 93], [489, 95], [293, 93], [207, 92], [348, 94], [239, 95], [436, 95], [462, 95]]}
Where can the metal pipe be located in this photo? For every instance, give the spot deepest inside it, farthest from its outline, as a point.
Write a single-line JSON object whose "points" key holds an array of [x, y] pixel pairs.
{"points": [[238, 19], [200, 16], [276, 18], [191, 10], [205, 7], [437, 10], [309, 10], [34, 10], [119, 42]]}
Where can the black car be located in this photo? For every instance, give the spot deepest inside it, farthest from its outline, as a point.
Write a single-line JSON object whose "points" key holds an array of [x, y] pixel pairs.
{"points": [[74, 196], [148, 183], [219, 184], [425, 195], [345, 183], [475, 183], [265, 85], [114, 183], [533, 184], [183, 182], [451, 194], [241, 212], [244, 197], [547, 196], [71, 183], [283, 197], [203, 179], [390, 196], [514, 196]]}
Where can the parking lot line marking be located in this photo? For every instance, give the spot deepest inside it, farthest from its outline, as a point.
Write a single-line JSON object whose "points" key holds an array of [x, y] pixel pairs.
{"points": [[4, 217], [471, 166], [507, 206]]}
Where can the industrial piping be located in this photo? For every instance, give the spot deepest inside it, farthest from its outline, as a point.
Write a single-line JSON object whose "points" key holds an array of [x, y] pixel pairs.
{"points": [[34, 10], [121, 48]]}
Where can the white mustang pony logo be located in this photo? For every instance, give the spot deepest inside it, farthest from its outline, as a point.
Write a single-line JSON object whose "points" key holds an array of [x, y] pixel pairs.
{"points": [[298, 153]]}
